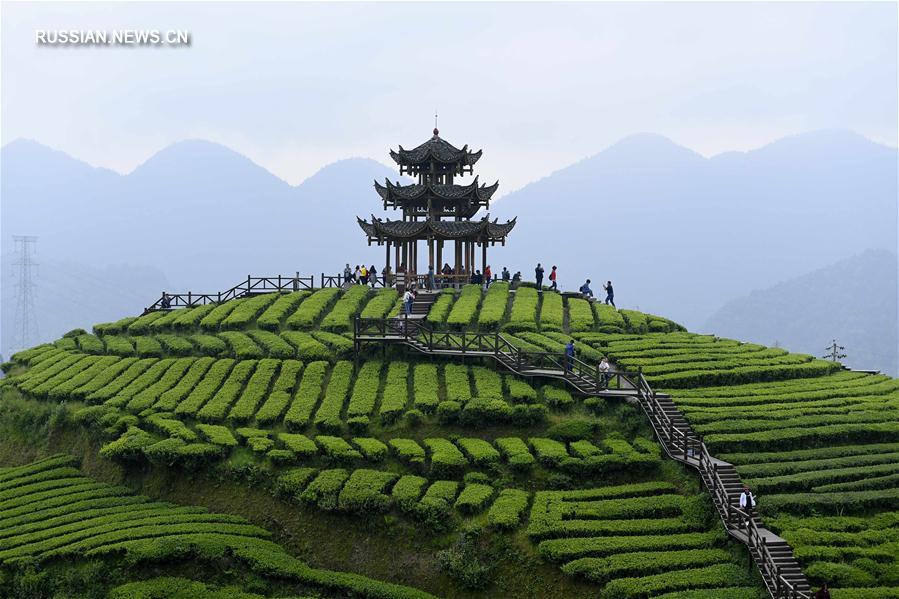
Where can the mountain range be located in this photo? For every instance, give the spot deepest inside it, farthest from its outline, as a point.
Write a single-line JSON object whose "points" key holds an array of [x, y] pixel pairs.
{"points": [[852, 301], [678, 233]]}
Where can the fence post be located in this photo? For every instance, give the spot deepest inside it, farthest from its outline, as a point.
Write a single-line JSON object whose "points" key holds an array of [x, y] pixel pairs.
{"points": [[188, 299], [220, 297]]}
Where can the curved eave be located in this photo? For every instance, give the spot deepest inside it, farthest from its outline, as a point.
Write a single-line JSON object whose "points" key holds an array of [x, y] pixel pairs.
{"points": [[476, 230], [409, 193], [435, 150]]}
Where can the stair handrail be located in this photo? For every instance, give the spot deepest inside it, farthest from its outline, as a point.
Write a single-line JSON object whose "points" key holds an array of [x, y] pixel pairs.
{"points": [[692, 446]]}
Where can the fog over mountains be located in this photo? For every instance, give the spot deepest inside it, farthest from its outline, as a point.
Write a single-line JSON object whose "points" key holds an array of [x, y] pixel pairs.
{"points": [[678, 233]]}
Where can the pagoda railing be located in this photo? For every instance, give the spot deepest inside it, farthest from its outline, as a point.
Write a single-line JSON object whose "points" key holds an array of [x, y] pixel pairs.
{"points": [[250, 286]]}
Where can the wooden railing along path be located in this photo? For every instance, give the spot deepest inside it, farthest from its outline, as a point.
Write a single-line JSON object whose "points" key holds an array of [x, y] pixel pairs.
{"points": [[772, 555]]}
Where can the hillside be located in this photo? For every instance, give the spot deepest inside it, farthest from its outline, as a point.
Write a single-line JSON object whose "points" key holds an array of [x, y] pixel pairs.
{"points": [[447, 476], [853, 301]]}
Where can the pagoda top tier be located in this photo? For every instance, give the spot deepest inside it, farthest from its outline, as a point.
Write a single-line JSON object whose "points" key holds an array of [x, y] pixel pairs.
{"points": [[436, 152]]}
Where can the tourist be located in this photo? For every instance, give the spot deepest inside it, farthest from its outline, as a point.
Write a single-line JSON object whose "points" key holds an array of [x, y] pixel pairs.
{"points": [[356, 274], [487, 275], [552, 279], [823, 592], [373, 276], [347, 273], [747, 502], [610, 293], [516, 279], [363, 275], [604, 371], [165, 302], [447, 274], [538, 274], [385, 277], [506, 275], [408, 299], [569, 356], [585, 290], [432, 281]]}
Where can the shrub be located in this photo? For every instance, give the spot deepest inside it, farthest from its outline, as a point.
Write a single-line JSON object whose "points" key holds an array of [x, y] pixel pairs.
{"points": [[114, 328], [247, 310], [327, 418], [119, 346], [307, 395], [365, 389], [89, 344], [692, 578], [425, 386], [293, 482], [271, 318], [448, 411], [446, 459], [274, 346], [642, 563], [523, 315], [609, 319], [307, 346], [190, 318], [441, 307], [255, 391], [563, 550], [551, 311], [205, 388], [479, 452], [458, 385], [580, 315], [241, 345], [474, 498], [170, 399], [484, 411], [312, 308], [218, 406], [557, 398], [279, 397], [572, 430], [434, 506], [407, 490], [219, 435], [549, 452], [516, 453], [408, 451], [494, 307], [209, 345], [300, 445], [323, 491], [212, 320], [380, 304], [506, 511], [364, 491], [465, 307], [372, 449], [519, 390], [173, 344], [141, 326], [340, 318], [340, 345], [337, 448]]}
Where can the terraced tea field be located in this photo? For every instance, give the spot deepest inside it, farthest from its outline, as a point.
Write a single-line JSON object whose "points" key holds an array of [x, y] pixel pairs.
{"points": [[445, 475]]}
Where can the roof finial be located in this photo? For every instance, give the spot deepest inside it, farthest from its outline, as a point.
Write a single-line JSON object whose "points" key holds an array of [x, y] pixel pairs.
{"points": [[436, 131]]}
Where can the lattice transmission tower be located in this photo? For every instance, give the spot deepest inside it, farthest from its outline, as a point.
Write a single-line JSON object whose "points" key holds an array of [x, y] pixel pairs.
{"points": [[26, 326]]}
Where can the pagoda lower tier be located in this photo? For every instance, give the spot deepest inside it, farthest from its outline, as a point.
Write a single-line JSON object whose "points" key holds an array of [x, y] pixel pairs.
{"points": [[403, 236]]}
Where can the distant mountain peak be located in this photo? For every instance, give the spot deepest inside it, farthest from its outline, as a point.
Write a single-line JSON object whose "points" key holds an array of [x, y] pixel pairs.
{"points": [[34, 154]]}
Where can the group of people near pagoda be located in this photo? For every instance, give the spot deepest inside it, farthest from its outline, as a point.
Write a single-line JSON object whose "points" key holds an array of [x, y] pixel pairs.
{"points": [[362, 275]]}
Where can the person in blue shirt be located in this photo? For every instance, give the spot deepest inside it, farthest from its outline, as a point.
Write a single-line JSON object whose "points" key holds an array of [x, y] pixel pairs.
{"points": [[585, 289], [569, 356], [610, 293]]}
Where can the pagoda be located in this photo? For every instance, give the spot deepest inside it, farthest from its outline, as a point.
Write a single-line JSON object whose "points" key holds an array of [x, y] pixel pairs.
{"points": [[436, 210]]}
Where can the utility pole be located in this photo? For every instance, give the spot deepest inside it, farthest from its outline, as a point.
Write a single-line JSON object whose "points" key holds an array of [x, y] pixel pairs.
{"points": [[834, 352], [26, 318]]}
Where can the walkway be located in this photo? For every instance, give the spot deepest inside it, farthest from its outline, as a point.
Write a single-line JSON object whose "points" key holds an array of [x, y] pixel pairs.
{"points": [[772, 555]]}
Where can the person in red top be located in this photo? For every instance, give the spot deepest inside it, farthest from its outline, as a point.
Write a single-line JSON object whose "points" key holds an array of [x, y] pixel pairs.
{"points": [[488, 276], [552, 278]]}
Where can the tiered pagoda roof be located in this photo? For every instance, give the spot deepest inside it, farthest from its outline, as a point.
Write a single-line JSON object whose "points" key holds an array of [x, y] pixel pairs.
{"points": [[436, 150], [448, 197], [482, 229]]}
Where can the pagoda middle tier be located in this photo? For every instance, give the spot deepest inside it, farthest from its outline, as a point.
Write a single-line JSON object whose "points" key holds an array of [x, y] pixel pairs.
{"points": [[398, 230], [437, 199]]}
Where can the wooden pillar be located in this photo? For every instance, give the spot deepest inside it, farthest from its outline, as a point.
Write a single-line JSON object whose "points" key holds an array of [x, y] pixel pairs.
{"points": [[387, 258], [396, 251], [406, 255], [458, 256], [431, 252], [439, 265], [483, 256]]}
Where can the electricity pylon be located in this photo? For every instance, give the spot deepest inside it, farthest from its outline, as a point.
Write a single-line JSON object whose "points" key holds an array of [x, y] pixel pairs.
{"points": [[834, 352], [26, 318]]}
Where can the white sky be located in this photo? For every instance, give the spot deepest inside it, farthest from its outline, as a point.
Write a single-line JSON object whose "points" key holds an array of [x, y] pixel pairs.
{"points": [[538, 86]]}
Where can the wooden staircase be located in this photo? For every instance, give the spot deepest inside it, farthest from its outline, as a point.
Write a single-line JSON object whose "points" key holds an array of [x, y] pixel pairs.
{"points": [[774, 558]]}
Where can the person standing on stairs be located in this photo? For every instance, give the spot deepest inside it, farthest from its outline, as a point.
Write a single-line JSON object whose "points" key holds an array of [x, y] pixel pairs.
{"points": [[569, 356], [432, 282], [408, 298], [610, 294], [604, 369], [552, 280], [538, 274], [747, 502]]}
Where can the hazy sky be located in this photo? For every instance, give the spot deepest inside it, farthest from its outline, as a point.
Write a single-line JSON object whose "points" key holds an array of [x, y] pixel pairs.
{"points": [[538, 86]]}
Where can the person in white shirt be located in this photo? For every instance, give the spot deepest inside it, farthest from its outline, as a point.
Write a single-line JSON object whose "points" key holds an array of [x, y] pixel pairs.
{"points": [[604, 369], [408, 298], [747, 501]]}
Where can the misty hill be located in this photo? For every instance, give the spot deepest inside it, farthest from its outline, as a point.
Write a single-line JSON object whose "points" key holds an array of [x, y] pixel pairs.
{"points": [[680, 234], [203, 214], [853, 301]]}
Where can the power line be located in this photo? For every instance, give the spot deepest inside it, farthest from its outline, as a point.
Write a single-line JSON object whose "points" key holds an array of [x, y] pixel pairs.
{"points": [[26, 318], [834, 352]]}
